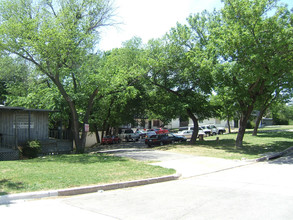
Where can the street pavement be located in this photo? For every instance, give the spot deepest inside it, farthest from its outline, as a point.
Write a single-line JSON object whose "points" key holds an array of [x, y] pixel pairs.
{"points": [[210, 188]]}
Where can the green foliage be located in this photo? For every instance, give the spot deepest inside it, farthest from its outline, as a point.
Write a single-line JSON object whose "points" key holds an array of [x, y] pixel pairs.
{"points": [[31, 149], [59, 38], [13, 77], [181, 65], [282, 113], [254, 43], [224, 62]]}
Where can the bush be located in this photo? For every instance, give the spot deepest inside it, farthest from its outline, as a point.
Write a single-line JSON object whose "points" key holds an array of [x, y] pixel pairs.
{"points": [[250, 124], [281, 121], [31, 149]]}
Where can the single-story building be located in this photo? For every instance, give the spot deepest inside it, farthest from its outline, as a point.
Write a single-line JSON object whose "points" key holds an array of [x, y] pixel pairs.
{"points": [[19, 125]]}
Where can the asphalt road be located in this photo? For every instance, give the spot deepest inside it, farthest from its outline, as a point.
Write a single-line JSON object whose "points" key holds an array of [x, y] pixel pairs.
{"points": [[251, 191]]}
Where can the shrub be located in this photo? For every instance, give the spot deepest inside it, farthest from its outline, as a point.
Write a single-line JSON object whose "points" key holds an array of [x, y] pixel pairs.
{"points": [[250, 124], [31, 149]]}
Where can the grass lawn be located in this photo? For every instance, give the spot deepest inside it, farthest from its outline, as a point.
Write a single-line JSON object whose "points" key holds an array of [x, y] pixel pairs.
{"points": [[63, 171], [269, 139]]}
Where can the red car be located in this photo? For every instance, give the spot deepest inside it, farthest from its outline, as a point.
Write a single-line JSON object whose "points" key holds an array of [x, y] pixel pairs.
{"points": [[111, 140], [161, 131]]}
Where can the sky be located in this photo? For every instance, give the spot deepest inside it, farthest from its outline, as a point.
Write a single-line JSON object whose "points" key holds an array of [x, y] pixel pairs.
{"points": [[149, 19]]}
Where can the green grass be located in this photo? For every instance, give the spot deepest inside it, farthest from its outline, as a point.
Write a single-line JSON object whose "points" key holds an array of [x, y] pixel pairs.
{"points": [[63, 171], [269, 139]]}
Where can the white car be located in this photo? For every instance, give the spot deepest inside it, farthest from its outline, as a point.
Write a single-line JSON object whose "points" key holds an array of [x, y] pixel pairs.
{"points": [[206, 129], [217, 130], [188, 133], [185, 133]]}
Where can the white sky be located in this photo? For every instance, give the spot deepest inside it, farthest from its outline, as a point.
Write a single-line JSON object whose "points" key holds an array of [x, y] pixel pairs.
{"points": [[149, 19]]}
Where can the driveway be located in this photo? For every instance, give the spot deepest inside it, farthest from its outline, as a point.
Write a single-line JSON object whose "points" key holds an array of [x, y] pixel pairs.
{"points": [[186, 165]]}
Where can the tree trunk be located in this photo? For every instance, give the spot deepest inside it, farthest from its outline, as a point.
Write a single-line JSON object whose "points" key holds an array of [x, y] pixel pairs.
{"points": [[243, 122], [258, 120], [79, 141], [97, 133], [261, 113], [195, 126], [229, 126]]}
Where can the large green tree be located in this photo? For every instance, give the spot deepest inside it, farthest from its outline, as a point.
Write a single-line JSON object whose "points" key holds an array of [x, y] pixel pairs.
{"points": [[255, 38], [57, 37], [182, 65], [123, 96]]}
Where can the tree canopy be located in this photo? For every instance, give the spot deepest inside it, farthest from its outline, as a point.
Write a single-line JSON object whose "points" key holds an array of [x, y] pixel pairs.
{"points": [[237, 58], [255, 42]]}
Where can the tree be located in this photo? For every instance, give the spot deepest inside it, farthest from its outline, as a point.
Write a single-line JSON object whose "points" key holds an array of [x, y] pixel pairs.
{"points": [[226, 107], [14, 76], [280, 95], [181, 65], [57, 37], [254, 38], [124, 95]]}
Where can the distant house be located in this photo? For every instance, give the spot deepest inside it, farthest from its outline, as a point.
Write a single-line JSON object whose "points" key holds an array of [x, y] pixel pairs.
{"points": [[19, 125]]}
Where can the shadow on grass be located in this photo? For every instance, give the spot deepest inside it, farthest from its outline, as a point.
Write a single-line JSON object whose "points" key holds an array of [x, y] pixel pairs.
{"points": [[228, 145], [77, 158], [276, 134], [10, 186], [248, 148]]}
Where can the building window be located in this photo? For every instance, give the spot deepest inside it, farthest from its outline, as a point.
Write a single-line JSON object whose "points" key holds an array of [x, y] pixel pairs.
{"points": [[156, 123]]}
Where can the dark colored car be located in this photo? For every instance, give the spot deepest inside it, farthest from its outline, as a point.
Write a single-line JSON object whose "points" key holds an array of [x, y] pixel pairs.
{"points": [[159, 139], [178, 138], [142, 134]]}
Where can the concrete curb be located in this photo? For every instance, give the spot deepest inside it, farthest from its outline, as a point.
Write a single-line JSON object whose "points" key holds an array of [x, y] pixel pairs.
{"points": [[276, 155], [8, 199]]}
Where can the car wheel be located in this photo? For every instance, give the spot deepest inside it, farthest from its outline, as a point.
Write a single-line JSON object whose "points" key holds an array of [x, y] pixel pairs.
{"points": [[161, 143]]}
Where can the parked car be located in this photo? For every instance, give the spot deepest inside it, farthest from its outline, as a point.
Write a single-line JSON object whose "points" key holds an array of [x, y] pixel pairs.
{"points": [[150, 133], [177, 138], [161, 131], [129, 135], [206, 129], [110, 140], [185, 133], [188, 133], [142, 134], [158, 139], [200, 132], [217, 129]]}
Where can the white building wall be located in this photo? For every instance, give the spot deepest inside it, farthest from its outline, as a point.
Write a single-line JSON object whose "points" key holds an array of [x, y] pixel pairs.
{"points": [[214, 121], [175, 123]]}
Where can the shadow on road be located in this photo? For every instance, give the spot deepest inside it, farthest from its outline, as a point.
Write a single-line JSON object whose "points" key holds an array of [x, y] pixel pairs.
{"points": [[288, 159]]}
